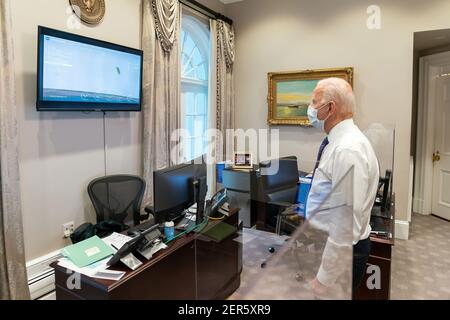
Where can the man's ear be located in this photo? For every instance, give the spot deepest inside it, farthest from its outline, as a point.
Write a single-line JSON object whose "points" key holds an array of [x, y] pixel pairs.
{"points": [[332, 107]]}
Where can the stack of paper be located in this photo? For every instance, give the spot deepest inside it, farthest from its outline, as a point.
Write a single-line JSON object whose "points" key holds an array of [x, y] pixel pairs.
{"points": [[98, 269], [116, 240], [79, 257], [95, 270]]}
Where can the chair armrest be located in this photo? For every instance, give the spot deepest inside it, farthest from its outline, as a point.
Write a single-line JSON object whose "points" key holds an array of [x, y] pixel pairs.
{"points": [[144, 216], [280, 204], [149, 209]]}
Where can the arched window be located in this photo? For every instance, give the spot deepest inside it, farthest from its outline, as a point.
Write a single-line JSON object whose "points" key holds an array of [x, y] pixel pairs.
{"points": [[194, 83]]}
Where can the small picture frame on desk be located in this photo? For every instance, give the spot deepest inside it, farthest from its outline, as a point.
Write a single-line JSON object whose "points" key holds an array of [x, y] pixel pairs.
{"points": [[242, 160]]}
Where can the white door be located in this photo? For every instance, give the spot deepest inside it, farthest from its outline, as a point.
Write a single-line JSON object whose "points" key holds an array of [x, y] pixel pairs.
{"points": [[441, 156]]}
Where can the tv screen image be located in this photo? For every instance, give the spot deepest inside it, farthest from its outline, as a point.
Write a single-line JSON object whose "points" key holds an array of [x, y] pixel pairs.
{"points": [[83, 74]]}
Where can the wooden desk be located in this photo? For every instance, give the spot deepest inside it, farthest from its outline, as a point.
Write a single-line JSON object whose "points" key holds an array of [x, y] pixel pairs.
{"points": [[192, 267], [381, 256], [219, 264]]}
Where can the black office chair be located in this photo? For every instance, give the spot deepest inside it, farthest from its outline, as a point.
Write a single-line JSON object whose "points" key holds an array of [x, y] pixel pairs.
{"points": [[280, 191], [279, 187], [118, 198]]}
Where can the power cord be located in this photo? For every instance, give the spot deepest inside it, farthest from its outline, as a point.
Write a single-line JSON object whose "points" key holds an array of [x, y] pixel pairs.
{"points": [[104, 139], [217, 218], [104, 135]]}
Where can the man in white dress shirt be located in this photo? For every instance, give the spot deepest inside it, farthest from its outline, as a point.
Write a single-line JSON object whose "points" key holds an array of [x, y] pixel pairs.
{"points": [[344, 154]]}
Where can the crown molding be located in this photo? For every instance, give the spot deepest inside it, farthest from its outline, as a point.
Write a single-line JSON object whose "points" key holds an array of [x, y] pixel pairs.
{"points": [[230, 1]]}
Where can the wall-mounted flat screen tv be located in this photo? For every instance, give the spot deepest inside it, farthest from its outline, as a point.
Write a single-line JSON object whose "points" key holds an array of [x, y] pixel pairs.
{"points": [[77, 73]]}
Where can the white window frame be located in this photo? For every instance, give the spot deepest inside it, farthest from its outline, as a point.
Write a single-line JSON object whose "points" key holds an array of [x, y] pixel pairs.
{"points": [[199, 31]]}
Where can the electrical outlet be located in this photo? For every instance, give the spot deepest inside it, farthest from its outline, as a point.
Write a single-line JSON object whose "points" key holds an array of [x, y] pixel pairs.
{"points": [[68, 229]]}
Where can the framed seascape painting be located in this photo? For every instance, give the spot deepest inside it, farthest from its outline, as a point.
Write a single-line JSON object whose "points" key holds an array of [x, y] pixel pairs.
{"points": [[290, 93]]}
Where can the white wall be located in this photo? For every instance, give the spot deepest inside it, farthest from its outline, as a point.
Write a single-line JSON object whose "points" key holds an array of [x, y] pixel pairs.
{"points": [[289, 35], [61, 152]]}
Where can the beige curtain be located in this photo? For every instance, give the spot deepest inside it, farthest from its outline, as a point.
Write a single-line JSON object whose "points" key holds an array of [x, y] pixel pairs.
{"points": [[13, 278], [212, 121], [161, 87], [225, 103], [221, 97]]}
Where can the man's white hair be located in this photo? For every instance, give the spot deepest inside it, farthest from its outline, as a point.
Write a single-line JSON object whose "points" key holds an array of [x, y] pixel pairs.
{"points": [[339, 91]]}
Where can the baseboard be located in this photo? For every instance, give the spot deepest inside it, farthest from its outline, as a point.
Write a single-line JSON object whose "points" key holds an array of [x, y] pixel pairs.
{"points": [[50, 296], [41, 277], [418, 205], [410, 191], [401, 229]]}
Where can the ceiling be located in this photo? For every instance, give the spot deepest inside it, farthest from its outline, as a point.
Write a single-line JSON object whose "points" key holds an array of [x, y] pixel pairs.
{"points": [[422, 40]]}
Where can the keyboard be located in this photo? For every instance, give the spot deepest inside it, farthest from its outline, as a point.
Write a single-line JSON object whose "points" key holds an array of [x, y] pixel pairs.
{"points": [[376, 212], [142, 227], [186, 221], [379, 227]]}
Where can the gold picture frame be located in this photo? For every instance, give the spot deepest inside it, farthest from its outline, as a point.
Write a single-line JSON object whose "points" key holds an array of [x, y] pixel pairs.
{"points": [[290, 93]]}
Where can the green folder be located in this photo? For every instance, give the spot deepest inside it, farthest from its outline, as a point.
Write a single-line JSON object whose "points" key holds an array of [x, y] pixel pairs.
{"points": [[87, 251], [220, 231]]}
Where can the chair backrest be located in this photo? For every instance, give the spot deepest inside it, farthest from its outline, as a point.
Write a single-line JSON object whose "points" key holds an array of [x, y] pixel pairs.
{"points": [[280, 186], [117, 197]]}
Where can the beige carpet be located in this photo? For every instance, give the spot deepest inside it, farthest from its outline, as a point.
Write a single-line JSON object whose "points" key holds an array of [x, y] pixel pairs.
{"points": [[289, 271], [421, 265]]}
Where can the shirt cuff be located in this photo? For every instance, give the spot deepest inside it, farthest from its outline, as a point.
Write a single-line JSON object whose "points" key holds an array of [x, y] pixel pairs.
{"points": [[326, 278]]}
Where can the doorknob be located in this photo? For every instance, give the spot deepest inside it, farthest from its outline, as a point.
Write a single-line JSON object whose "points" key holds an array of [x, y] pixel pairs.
{"points": [[436, 156]]}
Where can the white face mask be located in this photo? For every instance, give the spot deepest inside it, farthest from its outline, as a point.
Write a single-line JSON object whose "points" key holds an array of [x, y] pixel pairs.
{"points": [[312, 115]]}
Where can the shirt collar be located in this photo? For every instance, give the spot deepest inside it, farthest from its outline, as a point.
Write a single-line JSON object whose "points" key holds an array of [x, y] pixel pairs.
{"points": [[338, 130]]}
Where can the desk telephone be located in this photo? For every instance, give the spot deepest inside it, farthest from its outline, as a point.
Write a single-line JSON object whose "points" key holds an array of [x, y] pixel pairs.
{"points": [[149, 240], [141, 241], [218, 206], [225, 209]]}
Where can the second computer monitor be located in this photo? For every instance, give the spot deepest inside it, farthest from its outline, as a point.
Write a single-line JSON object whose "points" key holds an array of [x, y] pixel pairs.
{"points": [[174, 189]]}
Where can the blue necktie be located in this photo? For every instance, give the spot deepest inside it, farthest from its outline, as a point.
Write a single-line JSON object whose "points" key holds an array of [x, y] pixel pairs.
{"points": [[319, 155]]}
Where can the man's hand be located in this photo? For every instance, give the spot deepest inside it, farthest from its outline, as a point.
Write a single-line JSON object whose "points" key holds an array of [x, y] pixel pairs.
{"points": [[319, 290]]}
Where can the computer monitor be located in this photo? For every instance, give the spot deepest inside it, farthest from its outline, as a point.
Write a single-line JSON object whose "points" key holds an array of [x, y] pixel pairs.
{"points": [[178, 188], [387, 192]]}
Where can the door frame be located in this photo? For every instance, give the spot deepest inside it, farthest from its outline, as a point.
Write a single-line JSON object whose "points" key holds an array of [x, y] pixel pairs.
{"points": [[429, 67]]}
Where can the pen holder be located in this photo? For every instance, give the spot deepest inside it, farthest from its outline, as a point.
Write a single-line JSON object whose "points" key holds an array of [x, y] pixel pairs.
{"points": [[169, 230]]}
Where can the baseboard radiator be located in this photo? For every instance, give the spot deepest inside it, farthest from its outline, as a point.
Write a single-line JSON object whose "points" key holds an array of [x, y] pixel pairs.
{"points": [[41, 277]]}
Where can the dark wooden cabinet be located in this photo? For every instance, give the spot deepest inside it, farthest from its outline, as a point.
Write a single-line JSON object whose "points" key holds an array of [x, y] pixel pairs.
{"points": [[380, 259], [218, 270], [373, 293], [192, 267]]}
